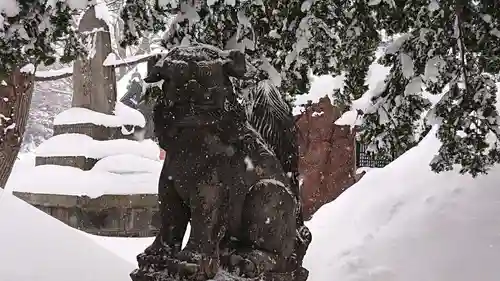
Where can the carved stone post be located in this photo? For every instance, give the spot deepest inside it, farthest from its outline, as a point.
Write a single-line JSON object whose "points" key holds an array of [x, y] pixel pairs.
{"points": [[94, 84]]}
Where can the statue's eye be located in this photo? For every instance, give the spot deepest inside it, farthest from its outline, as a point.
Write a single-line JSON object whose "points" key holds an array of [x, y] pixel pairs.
{"points": [[204, 71]]}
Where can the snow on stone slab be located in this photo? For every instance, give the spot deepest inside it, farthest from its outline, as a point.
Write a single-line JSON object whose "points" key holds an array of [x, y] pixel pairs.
{"points": [[28, 68], [321, 86], [127, 164], [433, 227], [129, 116], [325, 85], [35, 246], [65, 180], [83, 145], [123, 115]]}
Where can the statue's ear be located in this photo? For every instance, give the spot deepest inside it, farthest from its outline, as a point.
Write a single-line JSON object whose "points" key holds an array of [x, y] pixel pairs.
{"points": [[236, 65], [154, 71], [153, 77]]}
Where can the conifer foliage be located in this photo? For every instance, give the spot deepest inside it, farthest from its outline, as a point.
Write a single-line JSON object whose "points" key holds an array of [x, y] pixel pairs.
{"points": [[282, 39], [449, 50], [29, 29]]}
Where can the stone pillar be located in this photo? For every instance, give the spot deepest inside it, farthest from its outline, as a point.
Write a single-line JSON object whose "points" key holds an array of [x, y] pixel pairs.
{"points": [[94, 85]]}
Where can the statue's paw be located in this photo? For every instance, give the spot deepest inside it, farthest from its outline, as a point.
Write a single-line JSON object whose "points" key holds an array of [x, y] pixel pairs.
{"points": [[203, 264], [189, 256], [251, 264], [138, 275], [242, 266]]}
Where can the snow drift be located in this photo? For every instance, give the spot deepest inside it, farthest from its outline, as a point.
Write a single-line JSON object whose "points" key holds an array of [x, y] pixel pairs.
{"points": [[406, 223], [35, 246], [399, 223]]}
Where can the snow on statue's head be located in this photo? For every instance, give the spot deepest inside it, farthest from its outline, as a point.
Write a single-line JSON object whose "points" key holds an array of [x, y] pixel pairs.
{"points": [[196, 79]]}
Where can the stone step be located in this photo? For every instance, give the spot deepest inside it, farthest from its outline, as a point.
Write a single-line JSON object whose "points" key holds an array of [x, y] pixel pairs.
{"points": [[97, 132], [133, 215], [80, 162]]}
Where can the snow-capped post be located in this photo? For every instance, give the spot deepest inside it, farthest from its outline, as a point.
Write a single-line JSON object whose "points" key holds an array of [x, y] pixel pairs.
{"points": [[94, 85], [15, 98]]}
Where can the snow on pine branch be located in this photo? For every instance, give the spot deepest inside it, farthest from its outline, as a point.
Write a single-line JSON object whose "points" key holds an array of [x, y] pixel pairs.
{"points": [[30, 31], [50, 75], [112, 60]]}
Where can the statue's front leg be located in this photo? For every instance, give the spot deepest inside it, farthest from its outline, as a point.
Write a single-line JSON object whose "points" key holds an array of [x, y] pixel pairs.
{"points": [[174, 219], [208, 226]]}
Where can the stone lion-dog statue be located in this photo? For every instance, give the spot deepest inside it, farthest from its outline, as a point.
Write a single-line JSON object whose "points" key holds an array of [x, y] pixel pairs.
{"points": [[230, 171]]}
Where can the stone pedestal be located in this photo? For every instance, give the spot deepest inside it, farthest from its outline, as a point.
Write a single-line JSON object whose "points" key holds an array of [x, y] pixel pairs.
{"points": [[108, 215], [94, 131], [80, 162]]}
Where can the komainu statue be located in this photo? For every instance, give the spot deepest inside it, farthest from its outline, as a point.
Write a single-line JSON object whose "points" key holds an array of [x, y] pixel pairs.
{"points": [[230, 171]]}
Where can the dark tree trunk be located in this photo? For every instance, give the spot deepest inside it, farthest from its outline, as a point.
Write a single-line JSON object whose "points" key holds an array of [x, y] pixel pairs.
{"points": [[15, 98]]}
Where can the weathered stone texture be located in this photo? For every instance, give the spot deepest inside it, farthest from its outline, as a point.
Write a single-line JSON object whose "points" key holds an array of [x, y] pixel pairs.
{"points": [[108, 215], [327, 155]]}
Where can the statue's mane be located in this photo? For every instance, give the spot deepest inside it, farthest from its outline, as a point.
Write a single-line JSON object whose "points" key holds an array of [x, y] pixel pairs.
{"points": [[271, 116]]}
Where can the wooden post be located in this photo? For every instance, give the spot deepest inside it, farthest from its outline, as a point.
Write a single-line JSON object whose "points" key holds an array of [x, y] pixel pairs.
{"points": [[16, 91], [94, 85]]}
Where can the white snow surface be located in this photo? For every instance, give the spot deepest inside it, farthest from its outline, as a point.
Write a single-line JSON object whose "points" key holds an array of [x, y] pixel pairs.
{"points": [[55, 72], [129, 248], [434, 227], [324, 86], [29, 68], [35, 246], [123, 115], [83, 145], [375, 81], [321, 86], [112, 60], [128, 163], [64, 180]]}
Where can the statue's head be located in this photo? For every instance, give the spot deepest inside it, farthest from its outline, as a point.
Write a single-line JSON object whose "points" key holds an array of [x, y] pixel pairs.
{"points": [[196, 79]]}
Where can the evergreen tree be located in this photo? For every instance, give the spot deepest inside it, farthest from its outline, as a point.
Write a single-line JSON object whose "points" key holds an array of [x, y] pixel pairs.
{"points": [[355, 25], [449, 49], [282, 39], [29, 29]]}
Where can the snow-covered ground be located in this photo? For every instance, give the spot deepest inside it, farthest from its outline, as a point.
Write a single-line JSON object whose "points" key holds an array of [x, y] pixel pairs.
{"points": [[406, 223], [399, 223], [35, 246]]}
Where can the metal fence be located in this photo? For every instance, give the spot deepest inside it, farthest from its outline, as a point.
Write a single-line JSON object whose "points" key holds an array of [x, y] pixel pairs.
{"points": [[367, 159]]}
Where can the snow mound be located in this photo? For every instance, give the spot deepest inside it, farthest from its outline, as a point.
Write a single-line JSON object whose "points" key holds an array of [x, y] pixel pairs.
{"points": [[123, 115], [432, 227], [128, 163], [35, 246], [64, 180], [83, 145]]}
